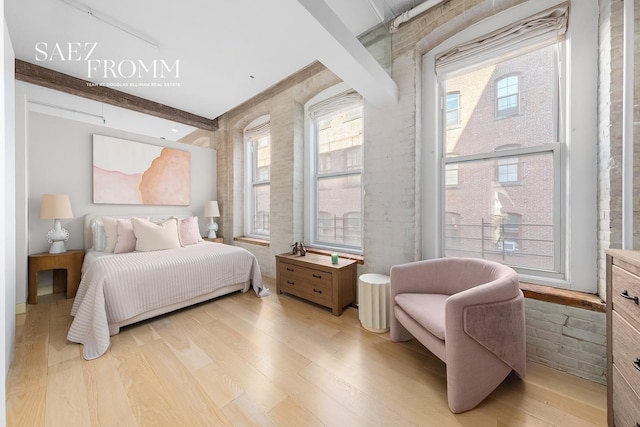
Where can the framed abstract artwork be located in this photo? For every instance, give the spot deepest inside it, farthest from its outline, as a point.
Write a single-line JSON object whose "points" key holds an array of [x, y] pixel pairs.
{"points": [[133, 173]]}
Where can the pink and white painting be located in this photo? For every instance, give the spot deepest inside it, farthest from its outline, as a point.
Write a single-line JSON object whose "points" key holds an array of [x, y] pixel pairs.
{"points": [[132, 173]]}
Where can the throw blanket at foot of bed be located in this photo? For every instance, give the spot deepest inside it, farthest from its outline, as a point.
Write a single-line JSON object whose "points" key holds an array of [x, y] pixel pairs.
{"points": [[118, 287]]}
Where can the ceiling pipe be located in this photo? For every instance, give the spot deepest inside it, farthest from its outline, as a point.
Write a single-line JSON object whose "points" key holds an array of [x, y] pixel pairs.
{"points": [[627, 125], [412, 13]]}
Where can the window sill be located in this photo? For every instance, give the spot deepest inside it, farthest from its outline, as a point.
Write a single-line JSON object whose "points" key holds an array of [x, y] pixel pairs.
{"points": [[357, 258], [567, 297], [252, 241]]}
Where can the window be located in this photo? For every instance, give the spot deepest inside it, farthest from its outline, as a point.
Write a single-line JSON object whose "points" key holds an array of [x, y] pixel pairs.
{"points": [[453, 109], [508, 170], [258, 189], [333, 206], [451, 175], [542, 227], [507, 96], [479, 200]]}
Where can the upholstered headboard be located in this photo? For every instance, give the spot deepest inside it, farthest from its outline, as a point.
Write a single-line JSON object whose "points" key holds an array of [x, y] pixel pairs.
{"points": [[89, 219]]}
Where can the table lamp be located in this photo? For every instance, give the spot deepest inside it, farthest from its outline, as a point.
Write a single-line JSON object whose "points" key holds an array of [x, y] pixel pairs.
{"points": [[56, 207], [211, 211]]}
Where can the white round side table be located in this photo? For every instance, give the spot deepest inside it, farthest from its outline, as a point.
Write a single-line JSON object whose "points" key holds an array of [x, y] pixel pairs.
{"points": [[373, 302]]}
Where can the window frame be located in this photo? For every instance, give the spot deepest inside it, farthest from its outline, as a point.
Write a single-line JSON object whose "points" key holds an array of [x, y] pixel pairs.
{"points": [[313, 175], [578, 198], [252, 183]]}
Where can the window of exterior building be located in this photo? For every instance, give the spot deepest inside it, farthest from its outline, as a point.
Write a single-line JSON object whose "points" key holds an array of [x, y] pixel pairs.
{"points": [[451, 175], [507, 96], [334, 184], [524, 195], [257, 139], [453, 109], [508, 170]]}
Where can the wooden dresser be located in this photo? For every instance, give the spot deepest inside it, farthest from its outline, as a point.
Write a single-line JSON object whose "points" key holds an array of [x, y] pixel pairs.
{"points": [[315, 279], [623, 338]]}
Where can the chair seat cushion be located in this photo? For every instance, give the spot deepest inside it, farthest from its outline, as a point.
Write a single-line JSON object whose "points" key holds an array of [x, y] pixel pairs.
{"points": [[426, 309]]}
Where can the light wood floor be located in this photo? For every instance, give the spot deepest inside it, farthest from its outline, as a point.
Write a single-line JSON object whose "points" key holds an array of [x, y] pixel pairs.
{"points": [[275, 361]]}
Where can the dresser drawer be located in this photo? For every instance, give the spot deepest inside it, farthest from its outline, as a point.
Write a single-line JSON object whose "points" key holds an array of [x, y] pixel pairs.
{"points": [[312, 276], [626, 350], [623, 281], [626, 403], [312, 285]]}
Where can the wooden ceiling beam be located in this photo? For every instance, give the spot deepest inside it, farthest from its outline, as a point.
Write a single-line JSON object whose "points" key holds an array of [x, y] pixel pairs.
{"points": [[46, 77]]}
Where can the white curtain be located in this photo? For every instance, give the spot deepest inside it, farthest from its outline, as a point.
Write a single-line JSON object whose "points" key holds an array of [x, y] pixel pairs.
{"points": [[544, 28], [335, 104], [258, 131]]}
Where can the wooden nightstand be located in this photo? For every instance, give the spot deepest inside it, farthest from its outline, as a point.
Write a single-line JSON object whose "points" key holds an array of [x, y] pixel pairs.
{"points": [[66, 272], [213, 239]]}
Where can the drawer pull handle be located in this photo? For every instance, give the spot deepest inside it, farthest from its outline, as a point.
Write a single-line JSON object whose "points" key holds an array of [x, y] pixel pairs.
{"points": [[317, 276], [318, 291], [636, 364], [289, 269], [625, 295], [289, 282]]}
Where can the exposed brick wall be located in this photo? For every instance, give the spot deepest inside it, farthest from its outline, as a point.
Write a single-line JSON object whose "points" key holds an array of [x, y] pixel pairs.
{"points": [[566, 338]]}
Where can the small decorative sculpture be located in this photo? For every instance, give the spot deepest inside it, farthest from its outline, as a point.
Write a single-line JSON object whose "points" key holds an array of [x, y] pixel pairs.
{"points": [[298, 247]]}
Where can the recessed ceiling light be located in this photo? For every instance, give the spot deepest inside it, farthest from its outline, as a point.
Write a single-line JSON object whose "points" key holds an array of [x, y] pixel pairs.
{"points": [[174, 130]]}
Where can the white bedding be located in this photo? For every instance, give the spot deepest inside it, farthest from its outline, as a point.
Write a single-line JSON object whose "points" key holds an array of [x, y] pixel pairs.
{"points": [[117, 287]]}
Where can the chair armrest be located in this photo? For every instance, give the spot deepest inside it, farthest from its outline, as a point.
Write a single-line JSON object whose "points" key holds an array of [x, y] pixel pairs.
{"points": [[502, 289]]}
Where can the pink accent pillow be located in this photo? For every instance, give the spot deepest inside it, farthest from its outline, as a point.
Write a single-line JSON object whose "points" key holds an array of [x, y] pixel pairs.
{"points": [[189, 231], [126, 238]]}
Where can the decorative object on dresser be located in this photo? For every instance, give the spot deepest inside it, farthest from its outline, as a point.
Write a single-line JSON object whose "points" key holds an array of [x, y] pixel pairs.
{"points": [[212, 211], [316, 279], [623, 338], [56, 207], [66, 272]]}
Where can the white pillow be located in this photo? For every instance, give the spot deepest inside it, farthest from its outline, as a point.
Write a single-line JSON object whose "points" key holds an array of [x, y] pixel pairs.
{"points": [[155, 237], [98, 236], [110, 233]]}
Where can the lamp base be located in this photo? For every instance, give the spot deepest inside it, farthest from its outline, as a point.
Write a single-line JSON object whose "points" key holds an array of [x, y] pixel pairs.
{"points": [[57, 248], [212, 227]]}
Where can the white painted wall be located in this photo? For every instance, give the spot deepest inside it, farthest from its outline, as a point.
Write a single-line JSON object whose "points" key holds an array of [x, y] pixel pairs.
{"points": [[7, 215], [57, 158]]}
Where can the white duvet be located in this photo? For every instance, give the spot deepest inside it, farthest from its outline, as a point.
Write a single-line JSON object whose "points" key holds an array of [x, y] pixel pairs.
{"points": [[117, 287]]}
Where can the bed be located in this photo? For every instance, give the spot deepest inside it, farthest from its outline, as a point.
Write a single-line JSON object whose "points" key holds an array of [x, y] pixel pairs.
{"points": [[121, 287]]}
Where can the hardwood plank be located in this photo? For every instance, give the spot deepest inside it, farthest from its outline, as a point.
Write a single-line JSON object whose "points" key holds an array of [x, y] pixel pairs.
{"points": [[110, 404], [66, 401]]}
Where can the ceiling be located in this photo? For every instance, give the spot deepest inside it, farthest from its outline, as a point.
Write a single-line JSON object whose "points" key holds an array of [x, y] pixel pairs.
{"points": [[211, 55]]}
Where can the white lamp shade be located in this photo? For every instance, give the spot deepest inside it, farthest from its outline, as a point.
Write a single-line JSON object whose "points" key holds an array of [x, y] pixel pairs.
{"points": [[55, 206], [211, 210]]}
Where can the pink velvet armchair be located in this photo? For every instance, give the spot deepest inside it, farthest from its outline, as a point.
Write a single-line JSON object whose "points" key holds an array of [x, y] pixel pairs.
{"points": [[468, 312]]}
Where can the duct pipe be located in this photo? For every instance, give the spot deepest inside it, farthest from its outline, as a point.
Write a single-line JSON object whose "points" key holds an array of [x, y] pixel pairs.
{"points": [[412, 13], [627, 125]]}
